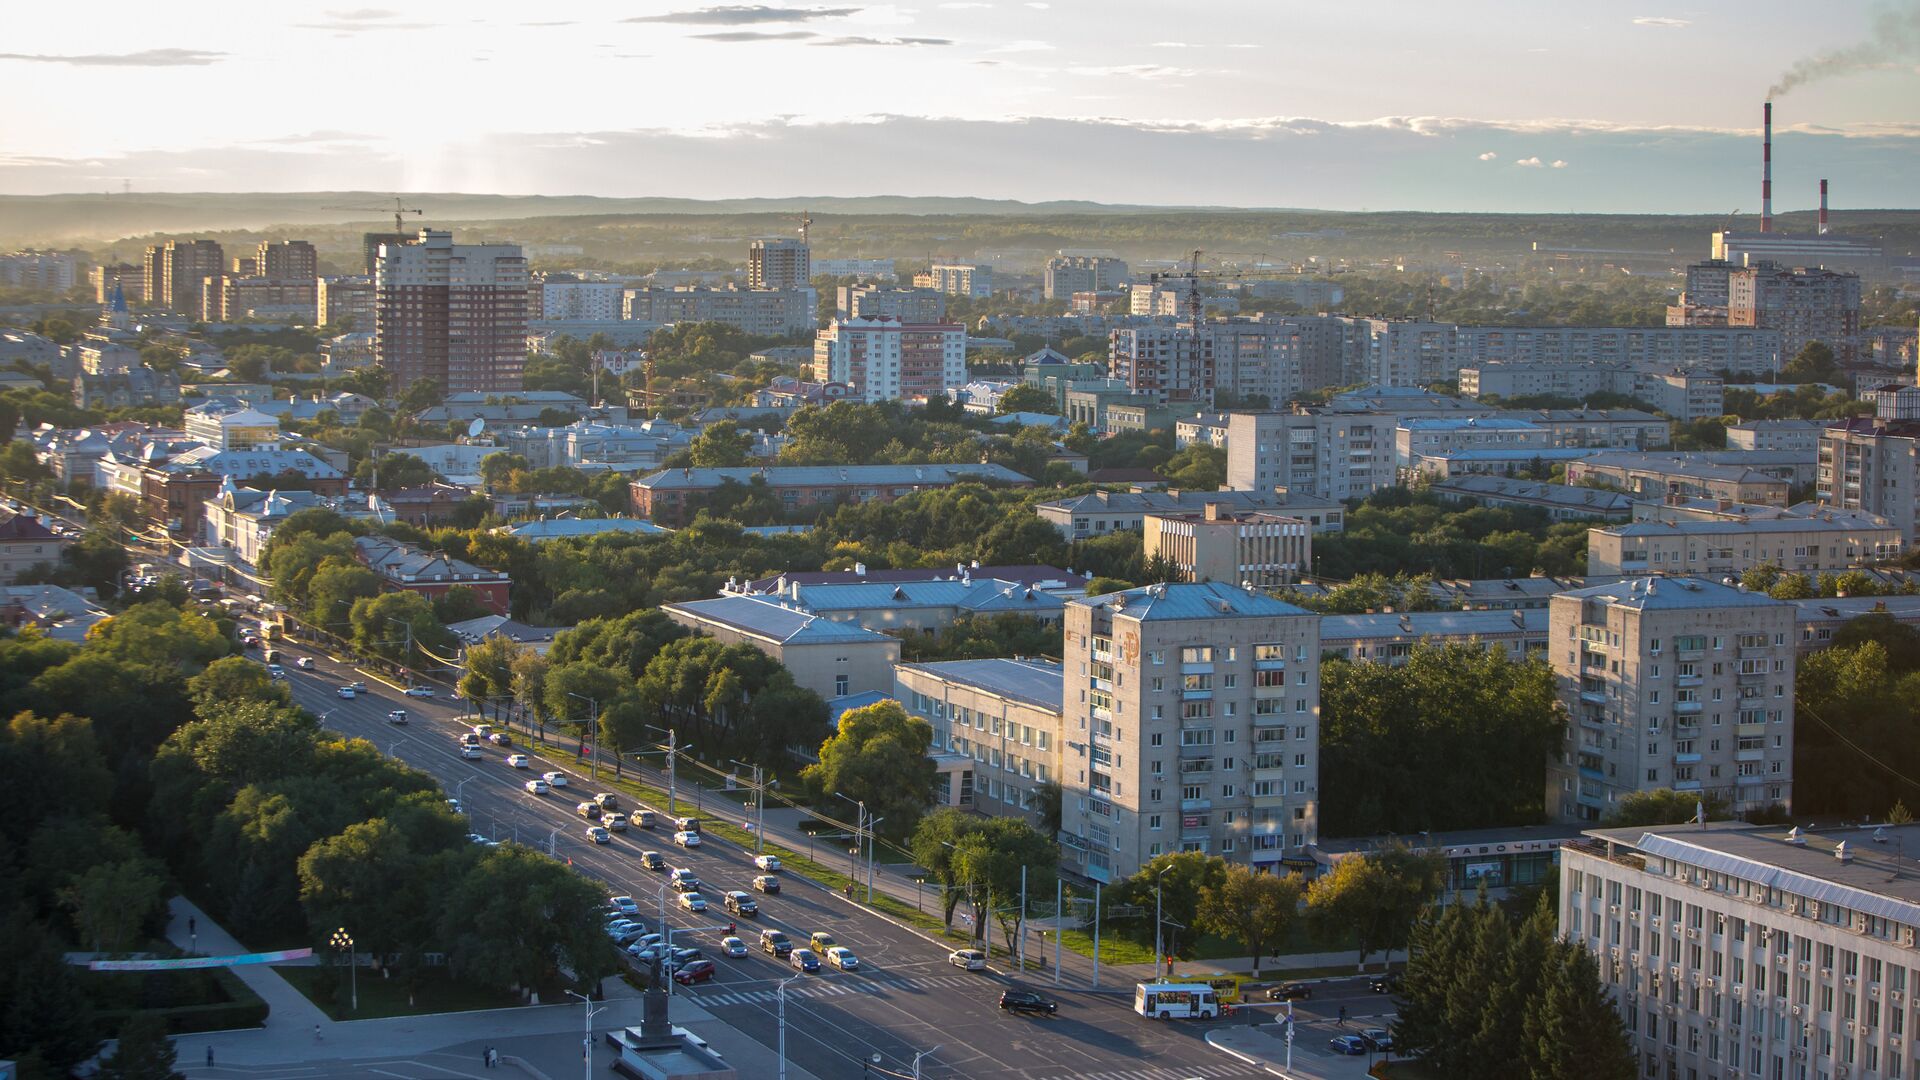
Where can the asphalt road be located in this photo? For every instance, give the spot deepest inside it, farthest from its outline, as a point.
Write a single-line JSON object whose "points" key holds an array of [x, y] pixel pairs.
{"points": [[904, 999]]}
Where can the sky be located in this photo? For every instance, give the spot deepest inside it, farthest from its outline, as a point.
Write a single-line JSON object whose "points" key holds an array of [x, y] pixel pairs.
{"points": [[1490, 105]]}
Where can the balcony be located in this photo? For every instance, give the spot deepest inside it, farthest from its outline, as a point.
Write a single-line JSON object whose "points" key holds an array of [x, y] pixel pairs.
{"points": [[1749, 755], [1686, 785], [1686, 759], [1196, 750], [1685, 708], [1593, 697], [1749, 730], [1689, 680], [1196, 804]]}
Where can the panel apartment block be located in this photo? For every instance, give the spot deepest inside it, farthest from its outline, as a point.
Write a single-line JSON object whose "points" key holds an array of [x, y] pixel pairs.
{"points": [[453, 313]]}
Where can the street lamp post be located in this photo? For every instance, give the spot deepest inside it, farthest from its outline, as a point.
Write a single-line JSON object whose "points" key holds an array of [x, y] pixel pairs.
{"points": [[344, 942], [859, 830], [550, 839], [759, 808], [593, 724], [673, 750], [916, 1060], [1156, 921], [586, 1039], [871, 825], [780, 994]]}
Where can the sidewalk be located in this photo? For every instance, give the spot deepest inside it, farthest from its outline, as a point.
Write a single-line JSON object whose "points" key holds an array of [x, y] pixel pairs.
{"points": [[1265, 1045], [547, 1036]]}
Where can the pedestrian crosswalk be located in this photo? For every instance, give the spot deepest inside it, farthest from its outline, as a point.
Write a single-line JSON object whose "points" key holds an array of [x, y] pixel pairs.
{"points": [[718, 994], [1225, 1070]]}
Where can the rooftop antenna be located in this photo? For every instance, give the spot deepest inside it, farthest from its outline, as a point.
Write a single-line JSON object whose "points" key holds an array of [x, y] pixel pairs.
{"points": [[474, 429]]}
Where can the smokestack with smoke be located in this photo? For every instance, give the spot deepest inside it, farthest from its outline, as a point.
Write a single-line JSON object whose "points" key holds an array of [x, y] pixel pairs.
{"points": [[1823, 206], [1896, 38], [1766, 168]]}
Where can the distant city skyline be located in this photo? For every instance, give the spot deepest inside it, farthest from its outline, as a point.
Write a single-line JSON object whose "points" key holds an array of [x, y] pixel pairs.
{"points": [[1480, 105]]}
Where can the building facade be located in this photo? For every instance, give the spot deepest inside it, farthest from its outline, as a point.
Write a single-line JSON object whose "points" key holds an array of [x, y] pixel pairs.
{"points": [[452, 313], [1068, 274], [957, 279], [1804, 305], [1003, 717], [884, 359], [286, 260], [1679, 683], [761, 312], [1817, 542], [1240, 548], [1736, 951], [578, 301], [345, 302], [1331, 455], [1190, 720], [176, 271], [1873, 465], [907, 305], [778, 264]]}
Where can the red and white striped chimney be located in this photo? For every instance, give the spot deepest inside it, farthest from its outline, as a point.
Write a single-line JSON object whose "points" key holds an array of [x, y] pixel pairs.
{"points": [[1823, 207], [1766, 171]]}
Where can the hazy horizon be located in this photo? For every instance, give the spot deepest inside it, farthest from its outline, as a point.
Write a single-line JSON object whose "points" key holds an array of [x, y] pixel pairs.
{"points": [[1482, 106]]}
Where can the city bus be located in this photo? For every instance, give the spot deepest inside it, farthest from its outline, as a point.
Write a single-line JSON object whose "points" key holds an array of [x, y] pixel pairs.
{"points": [[1175, 1001], [1226, 985]]}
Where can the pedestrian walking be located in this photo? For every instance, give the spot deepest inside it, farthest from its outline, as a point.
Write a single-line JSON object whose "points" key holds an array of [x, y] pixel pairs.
{"points": [[209, 1057], [486, 1057], [193, 926], [316, 1033], [1343, 1016]]}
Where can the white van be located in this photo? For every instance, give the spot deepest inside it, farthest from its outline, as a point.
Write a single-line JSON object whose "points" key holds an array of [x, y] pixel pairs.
{"points": [[1175, 1001]]}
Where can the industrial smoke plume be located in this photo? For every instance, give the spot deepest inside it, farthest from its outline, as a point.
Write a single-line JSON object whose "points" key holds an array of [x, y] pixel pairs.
{"points": [[1896, 37]]}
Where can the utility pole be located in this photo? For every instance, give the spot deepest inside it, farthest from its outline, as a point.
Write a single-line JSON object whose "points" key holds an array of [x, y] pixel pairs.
{"points": [[1022, 922], [1096, 935], [759, 808], [586, 1039], [673, 797], [1058, 894], [871, 824], [1156, 924], [780, 993]]}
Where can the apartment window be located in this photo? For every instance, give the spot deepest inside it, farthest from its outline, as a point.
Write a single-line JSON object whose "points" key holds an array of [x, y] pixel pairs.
{"points": [[1157, 738], [1197, 654], [1159, 684], [1194, 791], [1153, 822]]}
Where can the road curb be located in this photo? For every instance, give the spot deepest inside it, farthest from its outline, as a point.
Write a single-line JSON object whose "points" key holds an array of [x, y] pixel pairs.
{"points": [[1245, 1057]]}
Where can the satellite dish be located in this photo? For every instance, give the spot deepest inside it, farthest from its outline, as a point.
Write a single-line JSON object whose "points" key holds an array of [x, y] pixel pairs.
{"points": [[474, 429]]}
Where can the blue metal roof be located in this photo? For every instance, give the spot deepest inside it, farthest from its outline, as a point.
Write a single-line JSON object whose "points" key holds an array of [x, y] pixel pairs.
{"points": [[555, 528], [1441, 624], [1034, 682], [1651, 593], [764, 618], [1188, 600]]}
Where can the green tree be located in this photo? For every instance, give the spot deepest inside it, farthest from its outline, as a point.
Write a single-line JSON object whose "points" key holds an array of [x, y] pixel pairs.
{"points": [[1430, 1000], [489, 674], [48, 1012], [142, 1052], [392, 472], [383, 626], [111, 902], [1374, 897], [517, 917], [1028, 399], [1664, 806], [497, 469], [720, 446], [1815, 362], [1494, 719], [1250, 907], [1173, 883], [1792, 587], [935, 842], [160, 635], [879, 755], [334, 587], [236, 678], [48, 763], [1571, 1026], [994, 861]]}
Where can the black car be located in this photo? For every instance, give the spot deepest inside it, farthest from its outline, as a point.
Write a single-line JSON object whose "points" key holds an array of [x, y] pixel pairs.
{"points": [[775, 943], [1026, 1001], [1379, 1040], [1384, 984], [1289, 992], [739, 903]]}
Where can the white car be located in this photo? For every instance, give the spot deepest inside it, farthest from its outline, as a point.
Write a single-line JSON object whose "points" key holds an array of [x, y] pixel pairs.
{"points": [[454, 805], [969, 959], [537, 787], [732, 946], [693, 901], [397, 716], [842, 957], [625, 905], [519, 761], [472, 753], [305, 663], [594, 832], [557, 779], [345, 692], [769, 863], [418, 691], [686, 838]]}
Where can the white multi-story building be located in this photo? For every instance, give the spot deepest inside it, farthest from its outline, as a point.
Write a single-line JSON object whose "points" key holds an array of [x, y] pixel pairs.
{"points": [[227, 424], [1736, 951], [957, 279], [1822, 541], [866, 269], [1419, 437], [1873, 464], [53, 271], [1190, 722], [581, 301], [1332, 455], [778, 264], [763, 312], [1069, 274], [1680, 683], [888, 360]]}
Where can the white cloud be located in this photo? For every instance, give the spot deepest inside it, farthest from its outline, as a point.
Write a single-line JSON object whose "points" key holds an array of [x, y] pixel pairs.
{"points": [[1176, 45], [1037, 5], [1134, 71], [1023, 46], [1529, 162], [1558, 164], [1489, 156], [1663, 22], [964, 5]]}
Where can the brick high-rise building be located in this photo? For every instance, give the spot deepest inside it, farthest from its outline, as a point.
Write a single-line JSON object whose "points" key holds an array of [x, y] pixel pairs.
{"points": [[452, 313], [177, 270], [778, 264], [286, 260]]}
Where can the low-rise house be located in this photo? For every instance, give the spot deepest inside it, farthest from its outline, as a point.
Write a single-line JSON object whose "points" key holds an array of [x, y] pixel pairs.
{"points": [[25, 543], [1562, 502], [405, 568], [1102, 512], [829, 657], [996, 729]]}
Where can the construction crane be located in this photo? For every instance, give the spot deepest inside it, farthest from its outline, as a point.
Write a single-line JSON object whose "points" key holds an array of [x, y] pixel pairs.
{"points": [[398, 209], [806, 222]]}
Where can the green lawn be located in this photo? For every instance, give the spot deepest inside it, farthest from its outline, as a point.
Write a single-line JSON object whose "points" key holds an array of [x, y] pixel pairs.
{"points": [[379, 997]]}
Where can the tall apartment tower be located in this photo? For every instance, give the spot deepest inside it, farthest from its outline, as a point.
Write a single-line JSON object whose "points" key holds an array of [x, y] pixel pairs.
{"points": [[1805, 305], [176, 272], [453, 313], [286, 260], [1678, 683], [1069, 274], [778, 264], [1190, 722], [1872, 464], [885, 359]]}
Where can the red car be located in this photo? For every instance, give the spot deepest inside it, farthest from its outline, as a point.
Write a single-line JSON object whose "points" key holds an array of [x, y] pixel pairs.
{"points": [[694, 972]]}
